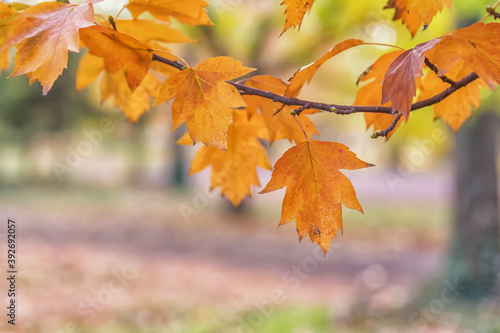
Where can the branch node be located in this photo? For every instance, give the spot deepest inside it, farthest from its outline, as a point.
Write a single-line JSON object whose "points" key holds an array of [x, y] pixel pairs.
{"points": [[111, 21], [388, 130], [302, 108], [492, 12]]}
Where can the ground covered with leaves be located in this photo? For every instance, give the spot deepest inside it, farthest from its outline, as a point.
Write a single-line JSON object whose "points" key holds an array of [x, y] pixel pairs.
{"points": [[91, 261]]}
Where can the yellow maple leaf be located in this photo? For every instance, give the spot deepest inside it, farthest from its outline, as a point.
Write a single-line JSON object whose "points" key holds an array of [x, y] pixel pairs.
{"points": [[204, 100], [114, 86], [315, 188], [371, 93], [191, 12], [235, 170], [280, 125], [44, 34], [415, 12], [147, 31], [119, 52], [295, 12]]}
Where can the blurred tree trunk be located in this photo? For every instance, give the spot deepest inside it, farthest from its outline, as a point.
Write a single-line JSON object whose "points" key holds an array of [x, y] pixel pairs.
{"points": [[473, 260], [177, 177]]}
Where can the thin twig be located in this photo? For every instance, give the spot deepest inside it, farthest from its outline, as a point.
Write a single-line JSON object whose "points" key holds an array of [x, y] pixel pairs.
{"points": [[493, 12], [174, 63], [179, 59], [434, 68], [388, 130], [302, 108]]}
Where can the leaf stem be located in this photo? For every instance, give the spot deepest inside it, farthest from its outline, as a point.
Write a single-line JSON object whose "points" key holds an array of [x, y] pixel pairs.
{"points": [[294, 115], [121, 10]]}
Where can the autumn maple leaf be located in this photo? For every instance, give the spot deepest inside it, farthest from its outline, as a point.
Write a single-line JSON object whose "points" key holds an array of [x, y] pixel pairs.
{"points": [[415, 12], [119, 52], [44, 34], [147, 31], [115, 86], [278, 120], [316, 189], [371, 93], [478, 45], [204, 100], [399, 84], [235, 170], [192, 12], [295, 12], [456, 108]]}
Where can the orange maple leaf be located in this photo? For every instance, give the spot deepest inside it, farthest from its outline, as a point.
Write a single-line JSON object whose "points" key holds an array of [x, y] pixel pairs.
{"points": [[44, 34], [316, 189], [280, 125], [204, 100], [192, 12], [415, 12], [478, 45], [295, 12], [119, 51], [306, 73], [399, 85], [115, 86], [371, 93], [456, 108], [235, 170]]}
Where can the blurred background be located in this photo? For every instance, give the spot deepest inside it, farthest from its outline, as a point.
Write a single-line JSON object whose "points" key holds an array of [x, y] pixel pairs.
{"points": [[113, 236]]}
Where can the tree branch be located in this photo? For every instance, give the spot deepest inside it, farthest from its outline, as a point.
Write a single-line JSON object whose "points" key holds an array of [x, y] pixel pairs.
{"points": [[434, 68], [334, 108], [388, 130]]}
